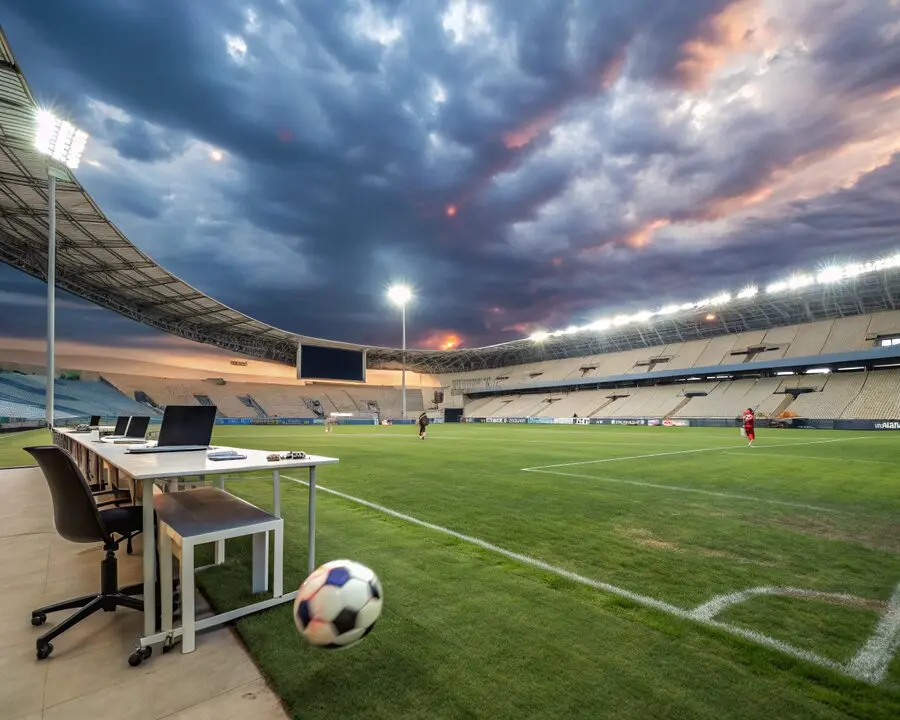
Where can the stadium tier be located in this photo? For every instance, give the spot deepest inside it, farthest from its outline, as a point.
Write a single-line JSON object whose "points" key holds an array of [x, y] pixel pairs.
{"points": [[828, 369], [711, 378], [22, 397]]}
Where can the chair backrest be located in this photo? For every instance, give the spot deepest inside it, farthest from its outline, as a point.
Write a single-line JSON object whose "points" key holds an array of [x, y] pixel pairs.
{"points": [[74, 509]]}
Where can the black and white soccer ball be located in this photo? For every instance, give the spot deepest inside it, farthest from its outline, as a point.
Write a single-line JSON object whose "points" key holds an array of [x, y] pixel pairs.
{"points": [[338, 604]]}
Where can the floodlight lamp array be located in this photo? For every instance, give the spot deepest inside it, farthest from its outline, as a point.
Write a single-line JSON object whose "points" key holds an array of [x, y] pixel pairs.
{"points": [[59, 139], [828, 275], [400, 294]]}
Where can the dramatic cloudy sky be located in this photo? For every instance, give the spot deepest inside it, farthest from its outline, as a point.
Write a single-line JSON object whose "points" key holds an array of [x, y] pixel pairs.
{"points": [[524, 164]]}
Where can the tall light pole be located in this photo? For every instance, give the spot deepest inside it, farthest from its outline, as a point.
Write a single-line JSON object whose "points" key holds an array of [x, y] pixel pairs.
{"points": [[401, 295], [63, 145]]}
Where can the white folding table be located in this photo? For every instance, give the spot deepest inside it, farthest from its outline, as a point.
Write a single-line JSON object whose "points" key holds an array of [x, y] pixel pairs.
{"points": [[161, 469]]}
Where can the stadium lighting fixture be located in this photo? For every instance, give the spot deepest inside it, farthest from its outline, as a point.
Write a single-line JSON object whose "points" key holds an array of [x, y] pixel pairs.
{"points": [[59, 139], [829, 274], [401, 295], [63, 145]]}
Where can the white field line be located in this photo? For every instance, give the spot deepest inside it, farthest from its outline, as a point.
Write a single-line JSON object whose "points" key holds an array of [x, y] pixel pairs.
{"points": [[712, 608], [872, 661], [681, 488], [643, 600], [337, 435], [532, 429], [7, 436], [813, 457], [681, 452]]}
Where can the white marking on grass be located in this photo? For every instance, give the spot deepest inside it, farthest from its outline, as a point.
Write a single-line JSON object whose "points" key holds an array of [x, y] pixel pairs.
{"points": [[681, 452], [712, 608], [637, 598], [872, 661], [813, 457], [681, 488], [337, 434], [13, 434]]}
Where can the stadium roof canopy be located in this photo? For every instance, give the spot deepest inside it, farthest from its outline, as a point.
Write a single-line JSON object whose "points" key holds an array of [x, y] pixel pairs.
{"points": [[95, 261]]}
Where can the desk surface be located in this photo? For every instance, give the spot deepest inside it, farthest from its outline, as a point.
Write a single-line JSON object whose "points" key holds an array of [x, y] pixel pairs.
{"points": [[158, 466]]}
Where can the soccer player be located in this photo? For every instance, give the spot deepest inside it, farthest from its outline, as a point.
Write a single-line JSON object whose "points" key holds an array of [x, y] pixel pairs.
{"points": [[423, 423], [749, 426], [329, 423]]}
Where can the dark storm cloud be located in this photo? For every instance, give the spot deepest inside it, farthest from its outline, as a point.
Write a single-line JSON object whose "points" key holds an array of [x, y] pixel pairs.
{"points": [[138, 140], [521, 163]]}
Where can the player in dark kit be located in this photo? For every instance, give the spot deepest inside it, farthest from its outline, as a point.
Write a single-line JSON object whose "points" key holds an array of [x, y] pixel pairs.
{"points": [[749, 426], [423, 423]]}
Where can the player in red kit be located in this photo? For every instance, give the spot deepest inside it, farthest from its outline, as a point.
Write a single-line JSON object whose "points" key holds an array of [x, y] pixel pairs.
{"points": [[749, 426]]}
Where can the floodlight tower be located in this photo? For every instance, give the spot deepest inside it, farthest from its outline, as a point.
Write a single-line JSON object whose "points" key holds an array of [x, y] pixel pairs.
{"points": [[401, 295], [62, 144]]}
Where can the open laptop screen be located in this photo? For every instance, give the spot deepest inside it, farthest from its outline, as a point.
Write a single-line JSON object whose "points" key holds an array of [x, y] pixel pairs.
{"points": [[137, 428], [187, 425], [121, 425], [95, 421]]}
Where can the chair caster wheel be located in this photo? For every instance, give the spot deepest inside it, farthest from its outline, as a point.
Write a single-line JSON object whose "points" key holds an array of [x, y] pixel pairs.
{"points": [[38, 619], [44, 650], [139, 655]]}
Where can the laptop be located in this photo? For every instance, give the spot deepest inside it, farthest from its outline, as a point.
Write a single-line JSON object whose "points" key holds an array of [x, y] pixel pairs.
{"points": [[121, 426], [184, 427], [95, 421], [136, 430]]}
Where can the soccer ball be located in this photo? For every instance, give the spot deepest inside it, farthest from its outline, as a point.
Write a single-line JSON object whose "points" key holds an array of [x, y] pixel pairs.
{"points": [[338, 604]]}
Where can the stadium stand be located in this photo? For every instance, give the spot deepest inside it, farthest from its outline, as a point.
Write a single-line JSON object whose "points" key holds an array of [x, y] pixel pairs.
{"points": [[823, 337], [845, 395], [877, 398], [22, 396], [550, 388], [124, 394], [635, 390]]}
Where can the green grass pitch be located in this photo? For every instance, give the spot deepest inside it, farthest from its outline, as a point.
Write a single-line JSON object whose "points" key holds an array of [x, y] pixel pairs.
{"points": [[592, 584]]}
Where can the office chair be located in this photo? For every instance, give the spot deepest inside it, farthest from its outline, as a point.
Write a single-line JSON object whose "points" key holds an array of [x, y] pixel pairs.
{"points": [[120, 497], [78, 519]]}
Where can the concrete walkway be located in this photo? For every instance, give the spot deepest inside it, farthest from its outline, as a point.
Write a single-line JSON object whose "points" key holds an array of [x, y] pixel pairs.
{"points": [[88, 675]]}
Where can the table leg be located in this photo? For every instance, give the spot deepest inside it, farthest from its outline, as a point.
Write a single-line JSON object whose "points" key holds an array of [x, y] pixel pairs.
{"points": [[220, 544], [278, 564], [260, 562], [312, 519], [188, 614], [276, 493], [149, 545], [166, 579]]}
